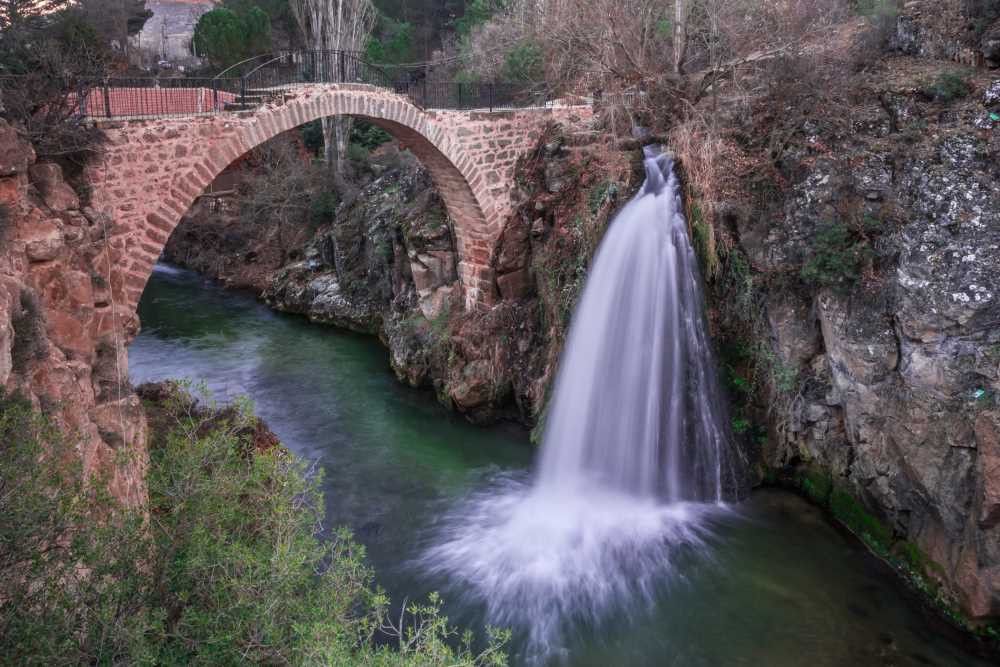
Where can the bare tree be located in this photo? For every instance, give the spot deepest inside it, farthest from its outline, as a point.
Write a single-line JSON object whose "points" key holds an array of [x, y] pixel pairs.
{"points": [[335, 25]]}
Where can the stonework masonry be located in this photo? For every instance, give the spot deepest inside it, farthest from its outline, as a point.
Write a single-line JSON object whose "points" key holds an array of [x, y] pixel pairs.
{"points": [[152, 170]]}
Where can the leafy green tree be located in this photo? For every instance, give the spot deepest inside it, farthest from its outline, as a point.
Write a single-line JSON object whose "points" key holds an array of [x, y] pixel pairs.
{"points": [[225, 37], [391, 41], [283, 28], [476, 13], [524, 63]]}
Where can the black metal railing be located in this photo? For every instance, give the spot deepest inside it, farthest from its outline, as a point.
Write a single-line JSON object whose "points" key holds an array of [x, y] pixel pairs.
{"points": [[266, 78]]}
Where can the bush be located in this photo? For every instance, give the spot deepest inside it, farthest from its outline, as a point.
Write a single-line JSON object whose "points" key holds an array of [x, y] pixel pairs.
{"points": [[68, 579], [230, 568], [982, 13], [323, 208], [368, 135], [838, 256], [947, 87], [357, 154]]}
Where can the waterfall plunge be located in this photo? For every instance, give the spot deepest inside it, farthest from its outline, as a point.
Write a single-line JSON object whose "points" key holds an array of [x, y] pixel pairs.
{"points": [[637, 457], [637, 406]]}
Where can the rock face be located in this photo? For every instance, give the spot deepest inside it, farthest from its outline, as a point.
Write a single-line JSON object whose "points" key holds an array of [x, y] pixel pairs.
{"points": [[62, 343], [892, 370]]}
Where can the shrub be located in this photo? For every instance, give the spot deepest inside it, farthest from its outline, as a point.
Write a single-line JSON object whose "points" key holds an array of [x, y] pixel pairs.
{"points": [[229, 569], [838, 256], [982, 14], [323, 208], [357, 154], [947, 87], [68, 578], [368, 135]]}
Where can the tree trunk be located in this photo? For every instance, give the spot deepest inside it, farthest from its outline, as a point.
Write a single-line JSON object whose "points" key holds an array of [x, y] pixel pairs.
{"points": [[343, 126], [681, 10], [329, 143]]}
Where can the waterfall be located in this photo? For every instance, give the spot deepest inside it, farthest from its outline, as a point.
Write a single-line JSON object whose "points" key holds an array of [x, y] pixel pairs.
{"points": [[637, 460], [637, 406]]}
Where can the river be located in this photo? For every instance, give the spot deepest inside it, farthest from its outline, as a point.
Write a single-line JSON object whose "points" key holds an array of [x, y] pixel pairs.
{"points": [[778, 585]]}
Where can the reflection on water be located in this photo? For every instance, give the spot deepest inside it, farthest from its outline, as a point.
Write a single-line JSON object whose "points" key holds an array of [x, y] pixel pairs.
{"points": [[778, 586]]}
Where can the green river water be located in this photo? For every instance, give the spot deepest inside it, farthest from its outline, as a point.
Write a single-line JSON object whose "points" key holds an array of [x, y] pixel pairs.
{"points": [[779, 585]]}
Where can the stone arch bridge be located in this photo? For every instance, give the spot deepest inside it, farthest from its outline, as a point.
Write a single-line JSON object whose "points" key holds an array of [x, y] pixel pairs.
{"points": [[152, 170]]}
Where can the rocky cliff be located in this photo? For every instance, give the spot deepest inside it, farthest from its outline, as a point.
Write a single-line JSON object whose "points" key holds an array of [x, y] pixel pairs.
{"points": [[873, 266], [62, 340]]}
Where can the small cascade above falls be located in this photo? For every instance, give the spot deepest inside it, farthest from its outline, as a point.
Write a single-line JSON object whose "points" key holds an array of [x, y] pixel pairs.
{"points": [[637, 459], [637, 406]]}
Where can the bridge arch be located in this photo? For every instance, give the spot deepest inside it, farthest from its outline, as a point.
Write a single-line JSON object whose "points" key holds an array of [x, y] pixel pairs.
{"points": [[152, 170]]}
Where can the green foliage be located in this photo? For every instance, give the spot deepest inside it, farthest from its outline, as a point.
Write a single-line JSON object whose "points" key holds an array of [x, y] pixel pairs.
{"points": [[948, 87], [279, 12], [391, 42], [368, 135], [524, 63], [323, 208], [817, 485], [703, 237], [229, 569], [740, 426], [68, 578], [225, 37], [312, 136], [357, 154], [838, 256], [476, 13], [604, 192]]}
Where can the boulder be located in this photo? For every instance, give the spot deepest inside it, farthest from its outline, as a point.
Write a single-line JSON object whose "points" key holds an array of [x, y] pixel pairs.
{"points": [[56, 193]]}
